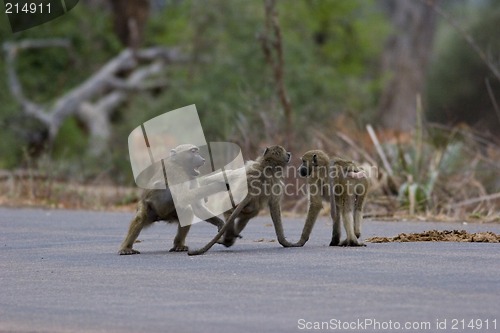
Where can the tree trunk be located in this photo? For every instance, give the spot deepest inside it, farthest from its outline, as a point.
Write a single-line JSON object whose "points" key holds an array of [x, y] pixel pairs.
{"points": [[272, 47], [129, 19], [405, 59]]}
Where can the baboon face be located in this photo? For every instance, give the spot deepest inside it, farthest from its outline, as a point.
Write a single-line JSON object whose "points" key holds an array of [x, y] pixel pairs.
{"points": [[309, 162], [188, 156], [277, 155]]}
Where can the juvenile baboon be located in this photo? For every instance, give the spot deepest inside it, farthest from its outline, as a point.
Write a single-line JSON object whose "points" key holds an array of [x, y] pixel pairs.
{"points": [[158, 205], [265, 187], [254, 171], [350, 183]]}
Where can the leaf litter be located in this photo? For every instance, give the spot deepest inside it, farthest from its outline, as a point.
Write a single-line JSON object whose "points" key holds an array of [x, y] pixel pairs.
{"points": [[440, 236]]}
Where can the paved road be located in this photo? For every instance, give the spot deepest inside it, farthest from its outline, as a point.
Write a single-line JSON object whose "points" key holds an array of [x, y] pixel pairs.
{"points": [[59, 272]]}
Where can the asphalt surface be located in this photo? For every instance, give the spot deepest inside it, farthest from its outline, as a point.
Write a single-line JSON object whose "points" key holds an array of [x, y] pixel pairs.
{"points": [[60, 272]]}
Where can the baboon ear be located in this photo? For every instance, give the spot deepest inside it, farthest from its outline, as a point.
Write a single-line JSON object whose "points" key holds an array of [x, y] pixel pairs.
{"points": [[315, 159], [265, 151]]}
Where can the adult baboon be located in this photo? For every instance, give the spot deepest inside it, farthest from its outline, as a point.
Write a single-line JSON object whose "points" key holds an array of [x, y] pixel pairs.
{"points": [[157, 205], [350, 184], [265, 187]]}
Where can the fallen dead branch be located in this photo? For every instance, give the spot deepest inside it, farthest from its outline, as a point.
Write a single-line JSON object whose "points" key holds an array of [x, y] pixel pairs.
{"points": [[96, 98]]}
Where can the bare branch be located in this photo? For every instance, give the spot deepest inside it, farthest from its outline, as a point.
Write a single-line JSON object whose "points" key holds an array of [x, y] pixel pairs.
{"points": [[96, 84], [96, 115], [492, 97], [355, 147], [380, 150], [94, 100], [12, 50], [136, 80], [38, 44], [169, 55], [468, 38], [482, 198]]}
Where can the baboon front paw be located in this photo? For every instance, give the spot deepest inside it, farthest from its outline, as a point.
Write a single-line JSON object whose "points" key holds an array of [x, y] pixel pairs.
{"points": [[350, 242], [179, 248], [128, 251], [358, 234]]}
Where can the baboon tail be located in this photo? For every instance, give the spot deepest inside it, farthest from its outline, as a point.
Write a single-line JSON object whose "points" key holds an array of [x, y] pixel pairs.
{"points": [[231, 219]]}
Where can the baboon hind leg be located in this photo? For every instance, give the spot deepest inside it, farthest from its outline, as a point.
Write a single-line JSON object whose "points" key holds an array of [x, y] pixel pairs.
{"points": [[348, 219], [229, 236], [180, 239], [358, 214], [242, 223], [336, 230], [140, 220]]}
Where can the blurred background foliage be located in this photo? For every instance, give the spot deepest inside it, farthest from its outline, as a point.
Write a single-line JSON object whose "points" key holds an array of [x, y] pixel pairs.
{"points": [[331, 67], [456, 85], [333, 75]]}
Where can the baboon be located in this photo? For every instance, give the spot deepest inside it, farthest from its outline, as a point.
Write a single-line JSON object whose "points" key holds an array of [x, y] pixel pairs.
{"points": [[265, 187], [255, 205], [350, 183], [158, 205]]}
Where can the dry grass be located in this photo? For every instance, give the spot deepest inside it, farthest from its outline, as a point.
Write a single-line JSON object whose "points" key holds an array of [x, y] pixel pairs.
{"points": [[39, 191], [438, 174]]}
